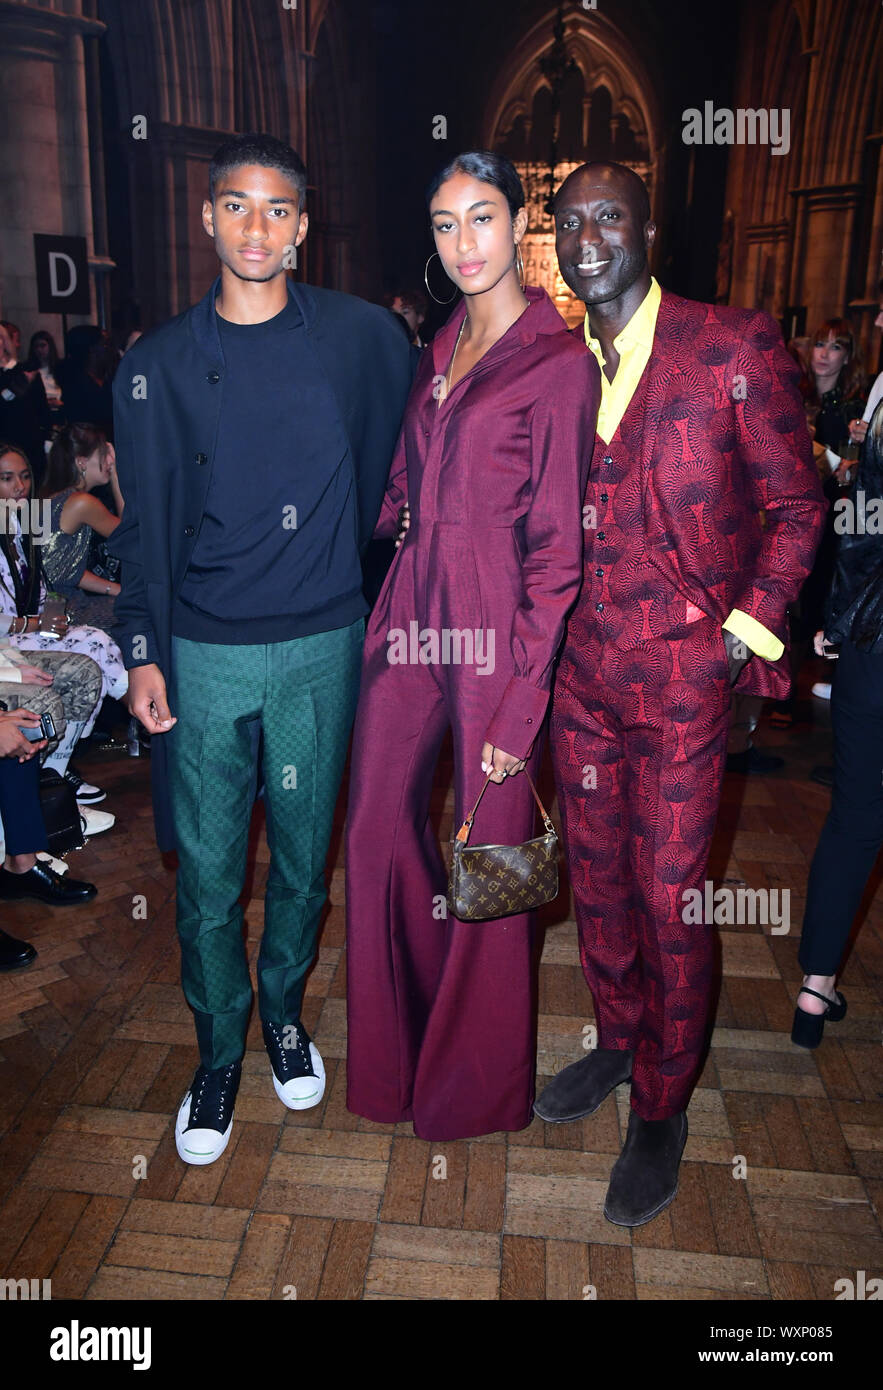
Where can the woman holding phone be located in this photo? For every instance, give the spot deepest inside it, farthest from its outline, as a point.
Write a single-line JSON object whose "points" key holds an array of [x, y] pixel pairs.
{"points": [[36, 621], [492, 461]]}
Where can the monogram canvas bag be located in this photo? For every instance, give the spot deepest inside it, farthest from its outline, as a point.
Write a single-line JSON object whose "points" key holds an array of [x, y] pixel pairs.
{"points": [[488, 881]]}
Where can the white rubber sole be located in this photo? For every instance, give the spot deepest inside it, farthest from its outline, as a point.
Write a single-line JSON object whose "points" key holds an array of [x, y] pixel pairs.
{"points": [[198, 1146], [95, 822], [304, 1091]]}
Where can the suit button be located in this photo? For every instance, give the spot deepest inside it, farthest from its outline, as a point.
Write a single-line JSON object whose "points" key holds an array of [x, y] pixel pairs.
{"points": [[599, 608], [213, 378], [608, 458], [603, 496], [528, 721], [599, 574], [202, 458], [189, 530]]}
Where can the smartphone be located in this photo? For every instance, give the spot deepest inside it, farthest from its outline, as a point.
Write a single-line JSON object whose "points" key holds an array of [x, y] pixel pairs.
{"points": [[46, 729]]}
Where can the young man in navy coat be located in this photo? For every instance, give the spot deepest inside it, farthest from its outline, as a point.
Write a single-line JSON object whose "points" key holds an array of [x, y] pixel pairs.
{"points": [[254, 434]]}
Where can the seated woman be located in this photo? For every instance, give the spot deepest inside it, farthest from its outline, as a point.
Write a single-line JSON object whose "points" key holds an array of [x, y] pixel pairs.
{"points": [[80, 460], [67, 686], [23, 594], [23, 874]]}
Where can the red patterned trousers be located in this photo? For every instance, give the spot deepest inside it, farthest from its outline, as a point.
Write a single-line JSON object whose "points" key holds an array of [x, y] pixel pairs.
{"points": [[638, 739]]}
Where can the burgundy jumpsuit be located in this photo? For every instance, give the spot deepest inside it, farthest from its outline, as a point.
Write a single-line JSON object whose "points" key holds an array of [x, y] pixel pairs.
{"points": [[441, 1013]]}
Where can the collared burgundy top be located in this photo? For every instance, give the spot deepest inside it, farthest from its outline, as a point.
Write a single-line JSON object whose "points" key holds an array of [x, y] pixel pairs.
{"points": [[495, 478]]}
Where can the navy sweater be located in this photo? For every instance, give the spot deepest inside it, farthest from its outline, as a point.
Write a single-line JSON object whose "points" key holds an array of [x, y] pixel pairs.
{"points": [[277, 553]]}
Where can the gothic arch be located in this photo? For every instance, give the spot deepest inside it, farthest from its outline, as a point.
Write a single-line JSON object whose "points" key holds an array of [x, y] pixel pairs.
{"points": [[604, 57], [610, 83]]}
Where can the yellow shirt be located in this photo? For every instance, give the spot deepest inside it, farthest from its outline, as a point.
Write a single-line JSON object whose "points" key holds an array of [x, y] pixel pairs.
{"points": [[634, 344]]}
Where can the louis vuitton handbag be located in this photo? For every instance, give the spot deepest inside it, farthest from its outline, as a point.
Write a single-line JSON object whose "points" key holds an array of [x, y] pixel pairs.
{"points": [[488, 881]]}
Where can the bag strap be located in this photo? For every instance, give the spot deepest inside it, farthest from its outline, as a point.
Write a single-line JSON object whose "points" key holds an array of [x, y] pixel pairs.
{"points": [[463, 833]]}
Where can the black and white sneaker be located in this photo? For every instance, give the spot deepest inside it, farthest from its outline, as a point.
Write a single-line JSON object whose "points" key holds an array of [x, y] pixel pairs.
{"points": [[83, 790], [298, 1070], [93, 822], [205, 1119]]}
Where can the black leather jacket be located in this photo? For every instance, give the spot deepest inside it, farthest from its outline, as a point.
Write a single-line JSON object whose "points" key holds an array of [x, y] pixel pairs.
{"points": [[855, 605]]}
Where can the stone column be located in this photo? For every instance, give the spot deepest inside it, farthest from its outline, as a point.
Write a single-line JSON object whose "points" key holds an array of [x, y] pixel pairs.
{"points": [[44, 152], [828, 228], [175, 258]]}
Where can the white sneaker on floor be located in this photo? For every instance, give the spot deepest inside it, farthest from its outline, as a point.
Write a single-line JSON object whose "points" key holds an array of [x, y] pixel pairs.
{"points": [[296, 1065], [85, 791], [822, 690], [94, 822], [205, 1116]]}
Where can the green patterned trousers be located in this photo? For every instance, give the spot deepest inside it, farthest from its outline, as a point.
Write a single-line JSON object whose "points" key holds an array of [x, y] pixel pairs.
{"points": [[302, 695]]}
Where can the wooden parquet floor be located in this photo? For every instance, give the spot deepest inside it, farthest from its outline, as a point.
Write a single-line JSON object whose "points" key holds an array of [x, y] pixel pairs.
{"points": [[97, 1049]]}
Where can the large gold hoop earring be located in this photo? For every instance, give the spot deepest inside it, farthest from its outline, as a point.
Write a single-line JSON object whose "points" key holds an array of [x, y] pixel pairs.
{"points": [[519, 261], [426, 283]]}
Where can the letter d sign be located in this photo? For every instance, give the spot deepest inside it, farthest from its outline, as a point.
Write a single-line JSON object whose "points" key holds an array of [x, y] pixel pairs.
{"points": [[68, 273], [62, 274]]}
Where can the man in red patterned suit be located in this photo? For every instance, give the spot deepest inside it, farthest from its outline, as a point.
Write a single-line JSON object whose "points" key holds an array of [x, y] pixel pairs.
{"points": [[702, 516]]}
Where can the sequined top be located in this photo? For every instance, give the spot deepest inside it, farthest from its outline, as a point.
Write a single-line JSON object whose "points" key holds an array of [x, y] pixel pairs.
{"points": [[65, 557]]}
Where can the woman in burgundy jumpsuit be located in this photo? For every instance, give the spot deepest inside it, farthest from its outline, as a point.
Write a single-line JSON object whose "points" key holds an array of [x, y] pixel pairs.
{"points": [[464, 635]]}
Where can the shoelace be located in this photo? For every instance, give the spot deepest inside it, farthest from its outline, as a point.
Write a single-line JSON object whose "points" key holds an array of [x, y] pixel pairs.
{"points": [[197, 1101], [285, 1051]]}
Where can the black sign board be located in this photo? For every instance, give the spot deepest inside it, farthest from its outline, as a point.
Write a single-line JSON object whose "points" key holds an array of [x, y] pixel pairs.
{"points": [[62, 274]]}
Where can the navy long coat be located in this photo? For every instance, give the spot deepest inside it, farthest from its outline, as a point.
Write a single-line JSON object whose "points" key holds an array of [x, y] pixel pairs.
{"points": [[167, 402]]}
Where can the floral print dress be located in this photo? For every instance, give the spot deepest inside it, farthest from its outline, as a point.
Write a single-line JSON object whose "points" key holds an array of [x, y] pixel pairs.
{"points": [[87, 640]]}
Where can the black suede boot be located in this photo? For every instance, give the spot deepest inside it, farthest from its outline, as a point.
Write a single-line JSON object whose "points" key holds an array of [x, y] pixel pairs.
{"points": [[645, 1176], [579, 1089]]}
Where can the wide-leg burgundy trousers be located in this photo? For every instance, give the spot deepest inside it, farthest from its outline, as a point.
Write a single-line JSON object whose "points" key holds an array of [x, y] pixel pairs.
{"points": [[441, 1014]]}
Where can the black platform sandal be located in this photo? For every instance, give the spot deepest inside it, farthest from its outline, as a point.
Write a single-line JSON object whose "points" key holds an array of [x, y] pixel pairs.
{"points": [[807, 1029]]}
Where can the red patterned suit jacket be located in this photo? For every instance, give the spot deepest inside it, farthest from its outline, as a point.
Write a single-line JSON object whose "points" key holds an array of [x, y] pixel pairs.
{"points": [[733, 507]]}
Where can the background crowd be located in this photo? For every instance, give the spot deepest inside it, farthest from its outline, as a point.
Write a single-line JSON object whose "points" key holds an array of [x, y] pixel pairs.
{"points": [[58, 655]]}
